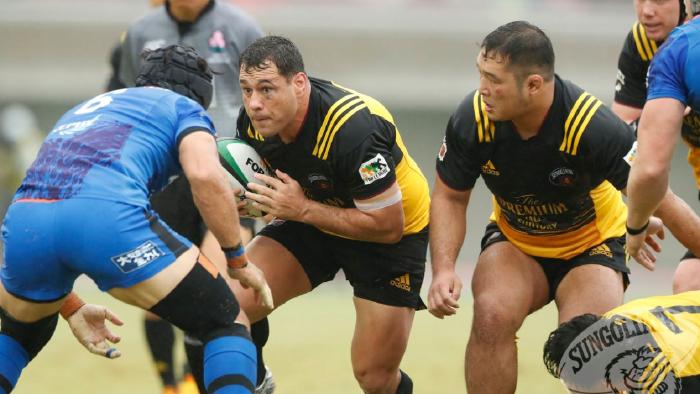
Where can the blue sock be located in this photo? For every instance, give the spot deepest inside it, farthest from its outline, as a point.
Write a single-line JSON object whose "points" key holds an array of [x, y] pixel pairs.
{"points": [[13, 358], [230, 365]]}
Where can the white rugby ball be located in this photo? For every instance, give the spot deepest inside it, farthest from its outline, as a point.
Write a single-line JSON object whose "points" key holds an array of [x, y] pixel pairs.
{"points": [[241, 163]]}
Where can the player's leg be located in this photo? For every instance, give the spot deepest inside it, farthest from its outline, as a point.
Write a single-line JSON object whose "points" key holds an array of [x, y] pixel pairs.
{"points": [[687, 275], [29, 297], [386, 280], [595, 283], [507, 286], [175, 206], [378, 345]]}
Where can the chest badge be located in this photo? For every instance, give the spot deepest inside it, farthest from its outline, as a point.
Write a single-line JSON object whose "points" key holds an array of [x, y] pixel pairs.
{"points": [[562, 177]]}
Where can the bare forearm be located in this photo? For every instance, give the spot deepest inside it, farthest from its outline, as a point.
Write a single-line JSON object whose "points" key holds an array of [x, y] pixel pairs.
{"points": [[216, 204], [449, 226], [645, 192], [355, 224], [681, 220]]}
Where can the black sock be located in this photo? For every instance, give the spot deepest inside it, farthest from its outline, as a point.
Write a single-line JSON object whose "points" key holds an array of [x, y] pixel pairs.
{"points": [[260, 332], [194, 350], [160, 337], [405, 385]]}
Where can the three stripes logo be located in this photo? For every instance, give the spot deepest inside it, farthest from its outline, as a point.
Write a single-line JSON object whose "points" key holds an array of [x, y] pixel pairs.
{"points": [[403, 282], [252, 133], [646, 47], [485, 127], [580, 115], [335, 118]]}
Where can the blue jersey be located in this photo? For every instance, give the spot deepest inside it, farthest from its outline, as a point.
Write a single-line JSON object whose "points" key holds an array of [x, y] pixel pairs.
{"points": [[674, 71], [119, 146]]}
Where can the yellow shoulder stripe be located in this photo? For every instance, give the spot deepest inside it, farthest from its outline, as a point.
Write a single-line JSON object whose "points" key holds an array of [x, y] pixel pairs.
{"points": [[580, 115], [646, 47], [336, 116], [484, 126], [252, 133]]}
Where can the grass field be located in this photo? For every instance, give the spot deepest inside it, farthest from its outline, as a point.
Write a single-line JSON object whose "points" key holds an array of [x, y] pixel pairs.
{"points": [[308, 352]]}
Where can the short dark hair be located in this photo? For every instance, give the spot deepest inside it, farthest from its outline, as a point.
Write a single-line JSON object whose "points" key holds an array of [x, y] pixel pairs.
{"points": [[279, 50], [560, 339], [524, 46]]}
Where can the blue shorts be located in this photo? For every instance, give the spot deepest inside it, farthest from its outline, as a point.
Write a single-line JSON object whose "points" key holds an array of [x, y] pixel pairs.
{"points": [[48, 244]]}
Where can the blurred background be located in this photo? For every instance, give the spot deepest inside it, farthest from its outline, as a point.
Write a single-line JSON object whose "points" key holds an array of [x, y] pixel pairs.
{"points": [[416, 56]]}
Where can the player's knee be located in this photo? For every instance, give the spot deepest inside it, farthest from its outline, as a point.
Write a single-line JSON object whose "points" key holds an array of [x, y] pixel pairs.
{"points": [[201, 305], [373, 379], [31, 336], [493, 322]]}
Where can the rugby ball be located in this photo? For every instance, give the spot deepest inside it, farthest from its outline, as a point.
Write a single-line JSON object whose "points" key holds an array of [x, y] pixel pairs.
{"points": [[241, 163]]}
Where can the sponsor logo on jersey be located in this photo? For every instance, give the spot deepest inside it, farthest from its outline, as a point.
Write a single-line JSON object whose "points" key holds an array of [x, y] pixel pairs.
{"points": [[562, 177], [75, 127], [620, 354], [217, 43], [373, 169], [443, 149], [403, 282], [320, 182], [489, 169], [137, 258], [631, 155], [601, 249], [620, 80]]}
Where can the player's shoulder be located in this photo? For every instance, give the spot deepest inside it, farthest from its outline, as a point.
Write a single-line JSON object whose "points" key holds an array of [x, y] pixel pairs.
{"points": [[639, 45], [347, 118], [470, 122], [145, 23], [230, 12], [588, 122]]}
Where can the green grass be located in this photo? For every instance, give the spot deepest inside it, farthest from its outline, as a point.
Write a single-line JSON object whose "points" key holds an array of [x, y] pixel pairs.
{"points": [[308, 352]]}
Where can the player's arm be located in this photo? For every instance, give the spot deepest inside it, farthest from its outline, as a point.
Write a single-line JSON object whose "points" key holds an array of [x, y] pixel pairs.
{"points": [[216, 203], [681, 220], [627, 113], [448, 209], [377, 219]]}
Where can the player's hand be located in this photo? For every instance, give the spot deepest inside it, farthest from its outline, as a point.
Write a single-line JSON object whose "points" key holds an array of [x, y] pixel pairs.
{"points": [[88, 326], [252, 277], [282, 198], [444, 293], [641, 247]]}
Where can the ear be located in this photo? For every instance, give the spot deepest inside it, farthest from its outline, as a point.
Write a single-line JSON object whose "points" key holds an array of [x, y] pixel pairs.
{"points": [[534, 84], [299, 80]]}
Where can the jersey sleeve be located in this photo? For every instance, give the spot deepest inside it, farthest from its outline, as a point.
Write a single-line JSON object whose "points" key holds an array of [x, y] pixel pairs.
{"points": [[369, 168], [667, 69], [630, 87], [191, 117], [610, 143], [457, 162]]}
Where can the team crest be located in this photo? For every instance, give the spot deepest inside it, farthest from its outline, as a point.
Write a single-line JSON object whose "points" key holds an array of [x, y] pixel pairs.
{"points": [[217, 43], [373, 169], [562, 177], [137, 258], [443, 149]]}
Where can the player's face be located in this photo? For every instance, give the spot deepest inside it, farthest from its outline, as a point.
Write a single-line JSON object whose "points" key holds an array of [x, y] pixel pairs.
{"points": [[499, 88], [270, 99], [658, 17]]}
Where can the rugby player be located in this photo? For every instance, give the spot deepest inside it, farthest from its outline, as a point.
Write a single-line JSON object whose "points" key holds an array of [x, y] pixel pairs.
{"points": [[347, 195], [83, 208], [555, 160]]}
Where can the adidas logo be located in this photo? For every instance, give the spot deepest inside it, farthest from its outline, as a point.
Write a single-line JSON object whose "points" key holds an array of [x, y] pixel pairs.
{"points": [[403, 282], [601, 249], [490, 169]]}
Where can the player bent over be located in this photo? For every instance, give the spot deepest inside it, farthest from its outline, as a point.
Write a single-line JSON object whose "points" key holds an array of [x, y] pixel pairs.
{"points": [[83, 208]]}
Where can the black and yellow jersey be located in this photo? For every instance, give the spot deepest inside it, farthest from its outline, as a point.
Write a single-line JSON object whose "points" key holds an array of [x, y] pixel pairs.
{"points": [[631, 87], [348, 149], [556, 194], [674, 322], [632, 65]]}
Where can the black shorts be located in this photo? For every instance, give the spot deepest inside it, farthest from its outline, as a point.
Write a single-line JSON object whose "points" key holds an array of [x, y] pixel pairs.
{"points": [[611, 255], [175, 206], [389, 274]]}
